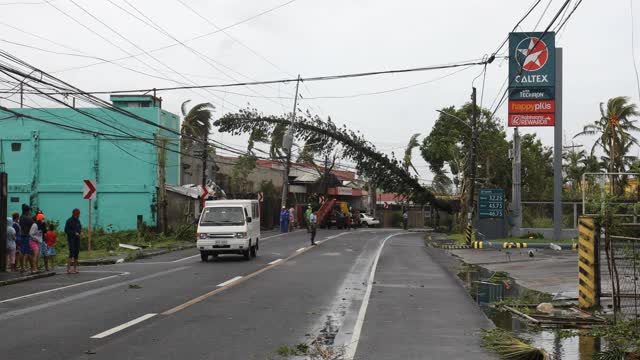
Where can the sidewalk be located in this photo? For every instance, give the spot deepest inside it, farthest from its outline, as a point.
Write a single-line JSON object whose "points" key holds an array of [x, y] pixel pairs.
{"points": [[420, 308], [8, 278]]}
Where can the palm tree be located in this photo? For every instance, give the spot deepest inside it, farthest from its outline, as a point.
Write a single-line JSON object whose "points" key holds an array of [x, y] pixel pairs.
{"points": [[196, 125], [574, 168], [614, 130], [413, 143]]}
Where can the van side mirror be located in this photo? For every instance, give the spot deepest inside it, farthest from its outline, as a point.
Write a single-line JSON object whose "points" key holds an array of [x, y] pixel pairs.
{"points": [[248, 219]]}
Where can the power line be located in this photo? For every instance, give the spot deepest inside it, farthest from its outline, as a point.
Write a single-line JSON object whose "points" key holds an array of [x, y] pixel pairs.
{"points": [[546, 30], [537, 2], [191, 39], [633, 48], [317, 78]]}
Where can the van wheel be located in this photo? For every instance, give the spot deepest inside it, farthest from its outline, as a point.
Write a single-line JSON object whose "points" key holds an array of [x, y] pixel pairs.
{"points": [[254, 251], [204, 256], [247, 253], [258, 244]]}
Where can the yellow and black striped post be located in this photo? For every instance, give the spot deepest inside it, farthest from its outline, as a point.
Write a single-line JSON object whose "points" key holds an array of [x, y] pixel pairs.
{"points": [[588, 273], [468, 234]]}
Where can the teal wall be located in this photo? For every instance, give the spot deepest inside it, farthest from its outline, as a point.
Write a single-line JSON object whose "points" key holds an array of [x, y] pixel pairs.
{"points": [[48, 170]]}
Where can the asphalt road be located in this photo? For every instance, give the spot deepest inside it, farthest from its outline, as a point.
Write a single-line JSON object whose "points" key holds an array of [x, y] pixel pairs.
{"points": [[372, 294]]}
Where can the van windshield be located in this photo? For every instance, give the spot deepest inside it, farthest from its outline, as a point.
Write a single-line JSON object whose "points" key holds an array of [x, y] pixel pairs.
{"points": [[222, 216]]}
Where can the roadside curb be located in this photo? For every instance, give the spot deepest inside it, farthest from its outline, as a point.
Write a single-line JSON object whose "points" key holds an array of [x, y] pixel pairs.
{"points": [[142, 255], [26, 278]]}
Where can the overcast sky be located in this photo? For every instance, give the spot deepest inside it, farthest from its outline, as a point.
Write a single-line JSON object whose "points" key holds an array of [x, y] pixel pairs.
{"points": [[314, 38]]}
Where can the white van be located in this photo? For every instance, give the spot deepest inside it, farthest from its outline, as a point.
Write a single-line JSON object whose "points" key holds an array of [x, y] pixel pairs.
{"points": [[229, 227]]}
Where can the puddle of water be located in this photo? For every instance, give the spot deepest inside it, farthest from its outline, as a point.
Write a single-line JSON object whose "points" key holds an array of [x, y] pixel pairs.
{"points": [[557, 344]]}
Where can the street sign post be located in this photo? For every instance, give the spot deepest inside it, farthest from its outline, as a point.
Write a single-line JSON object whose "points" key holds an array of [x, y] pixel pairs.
{"points": [[89, 192], [260, 201], [491, 203], [203, 196]]}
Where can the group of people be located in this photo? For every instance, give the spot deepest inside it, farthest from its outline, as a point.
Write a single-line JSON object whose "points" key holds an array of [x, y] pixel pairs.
{"points": [[29, 238]]}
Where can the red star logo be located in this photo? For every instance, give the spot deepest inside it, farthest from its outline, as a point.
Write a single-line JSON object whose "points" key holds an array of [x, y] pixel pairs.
{"points": [[534, 56]]}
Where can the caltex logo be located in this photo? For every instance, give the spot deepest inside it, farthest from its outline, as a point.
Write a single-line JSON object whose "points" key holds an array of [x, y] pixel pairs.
{"points": [[531, 54]]}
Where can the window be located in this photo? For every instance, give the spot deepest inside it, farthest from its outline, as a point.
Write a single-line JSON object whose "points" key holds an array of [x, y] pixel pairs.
{"points": [[16, 147], [222, 216]]}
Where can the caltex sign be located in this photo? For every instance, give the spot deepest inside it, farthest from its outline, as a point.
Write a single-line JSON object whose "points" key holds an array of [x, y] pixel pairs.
{"points": [[532, 79]]}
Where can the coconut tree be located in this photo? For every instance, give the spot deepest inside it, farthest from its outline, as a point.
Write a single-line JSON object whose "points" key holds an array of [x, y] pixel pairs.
{"points": [[196, 124], [614, 130], [408, 152], [196, 127], [574, 168]]}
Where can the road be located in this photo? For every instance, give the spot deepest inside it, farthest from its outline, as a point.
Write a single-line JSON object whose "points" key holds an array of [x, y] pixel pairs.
{"points": [[369, 294]]}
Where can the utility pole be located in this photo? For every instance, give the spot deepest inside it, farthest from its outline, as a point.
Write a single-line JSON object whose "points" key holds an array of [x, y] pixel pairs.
{"points": [[516, 187], [21, 95], [287, 143], [162, 190], [326, 176], [4, 180], [205, 155], [472, 165]]}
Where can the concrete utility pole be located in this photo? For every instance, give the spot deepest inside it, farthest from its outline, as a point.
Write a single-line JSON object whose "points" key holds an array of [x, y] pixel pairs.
{"points": [[516, 186], [162, 189], [472, 165], [287, 144], [4, 183], [557, 152]]}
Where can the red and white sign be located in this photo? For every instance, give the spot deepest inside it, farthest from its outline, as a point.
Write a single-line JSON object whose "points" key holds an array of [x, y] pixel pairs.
{"points": [[386, 205], [321, 199], [260, 197], [89, 189], [532, 106], [205, 192], [532, 119], [534, 54]]}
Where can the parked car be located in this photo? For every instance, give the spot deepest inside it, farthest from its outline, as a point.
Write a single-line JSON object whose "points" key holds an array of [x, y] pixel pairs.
{"points": [[367, 220]]}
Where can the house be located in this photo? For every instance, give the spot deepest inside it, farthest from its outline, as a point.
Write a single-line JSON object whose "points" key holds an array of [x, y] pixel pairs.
{"points": [[47, 156]]}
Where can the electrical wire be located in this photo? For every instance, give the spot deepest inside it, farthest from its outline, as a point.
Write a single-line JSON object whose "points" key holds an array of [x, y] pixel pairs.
{"points": [[193, 38], [633, 48]]}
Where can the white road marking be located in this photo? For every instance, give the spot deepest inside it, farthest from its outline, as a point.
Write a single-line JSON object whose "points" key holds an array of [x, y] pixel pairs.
{"points": [[301, 249], [19, 312], [187, 258], [64, 287], [275, 261], [352, 346], [229, 281], [123, 326]]}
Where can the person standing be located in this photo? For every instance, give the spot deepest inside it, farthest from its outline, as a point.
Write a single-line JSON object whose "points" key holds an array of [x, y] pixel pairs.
{"points": [[73, 228], [292, 218], [307, 218], [11, 246], [25, 222], [284, 220], [313, 220], [48, 248], [36, 234], [15, 218], [405, 219]]}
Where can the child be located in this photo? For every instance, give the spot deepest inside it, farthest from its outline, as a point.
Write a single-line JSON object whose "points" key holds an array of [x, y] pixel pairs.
{"points": [[49, 251], [16, 226], [11, 245]]}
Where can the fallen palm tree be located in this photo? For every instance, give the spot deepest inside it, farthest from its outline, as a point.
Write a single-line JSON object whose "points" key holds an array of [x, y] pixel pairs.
{"points": [[509, 346]]}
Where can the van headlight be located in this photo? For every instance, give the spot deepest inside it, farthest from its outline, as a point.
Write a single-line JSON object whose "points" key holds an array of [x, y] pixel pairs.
{"points": [[241, 235], [202, 235]]}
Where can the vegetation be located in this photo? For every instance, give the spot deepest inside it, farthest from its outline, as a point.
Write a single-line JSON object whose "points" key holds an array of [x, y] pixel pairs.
{"points": [[509, 346], [622, 339]]}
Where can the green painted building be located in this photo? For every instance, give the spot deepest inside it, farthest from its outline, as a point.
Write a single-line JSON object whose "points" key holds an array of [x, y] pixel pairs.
{"points": [[47, 158]]}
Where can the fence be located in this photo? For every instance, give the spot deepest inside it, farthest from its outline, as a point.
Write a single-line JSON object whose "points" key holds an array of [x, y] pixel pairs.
{"points": [[620, 272]]}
